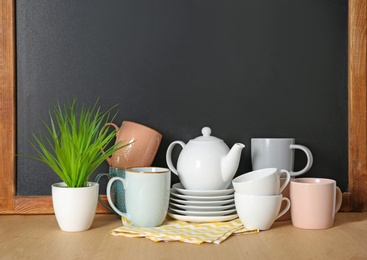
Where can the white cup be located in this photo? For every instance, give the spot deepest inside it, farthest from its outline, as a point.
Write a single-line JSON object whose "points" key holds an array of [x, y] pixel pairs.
{"points": [[259, 212], [278, 153], [261, 182]]}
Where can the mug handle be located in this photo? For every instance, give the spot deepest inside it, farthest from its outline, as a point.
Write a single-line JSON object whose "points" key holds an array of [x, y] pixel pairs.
{"points": [[98, 177], [169, 156], [108, 159], [287, 179], [108, 191], [309, 159], [338, 199], [286, 207]]}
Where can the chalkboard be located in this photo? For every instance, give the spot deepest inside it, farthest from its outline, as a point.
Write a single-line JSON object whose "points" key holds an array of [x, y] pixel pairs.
{"points": [[245, 68]]}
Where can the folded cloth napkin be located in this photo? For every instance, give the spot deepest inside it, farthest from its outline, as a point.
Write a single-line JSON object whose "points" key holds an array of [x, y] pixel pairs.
{"points": [[193, 233]]}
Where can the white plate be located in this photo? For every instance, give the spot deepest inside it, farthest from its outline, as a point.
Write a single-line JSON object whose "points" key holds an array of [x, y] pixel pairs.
{"points": [[203, 208], [203, 203], [203, 213], [178, 187], [202, 219], [201, 198]]}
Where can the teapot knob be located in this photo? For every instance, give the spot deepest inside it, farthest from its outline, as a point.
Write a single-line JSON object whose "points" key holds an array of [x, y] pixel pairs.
{"points": [[206, 131]]}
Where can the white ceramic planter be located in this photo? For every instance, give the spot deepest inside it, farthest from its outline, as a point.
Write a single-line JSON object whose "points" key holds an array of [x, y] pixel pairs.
{"points": [[75, 208]]}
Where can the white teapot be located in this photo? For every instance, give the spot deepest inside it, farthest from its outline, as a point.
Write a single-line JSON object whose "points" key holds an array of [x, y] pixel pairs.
{"points": [[205, 163]]}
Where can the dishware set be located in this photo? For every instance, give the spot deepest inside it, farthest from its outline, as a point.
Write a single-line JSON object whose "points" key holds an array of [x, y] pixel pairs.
{"points": [[202, 205], [208, 190]]}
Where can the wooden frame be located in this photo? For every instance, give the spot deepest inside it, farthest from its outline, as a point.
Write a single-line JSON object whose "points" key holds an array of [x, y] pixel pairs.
{"points": [[353, 200], [357, 105]]}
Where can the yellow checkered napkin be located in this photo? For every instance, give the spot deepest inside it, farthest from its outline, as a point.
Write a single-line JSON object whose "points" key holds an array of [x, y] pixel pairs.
{"points": [[193, 233]]}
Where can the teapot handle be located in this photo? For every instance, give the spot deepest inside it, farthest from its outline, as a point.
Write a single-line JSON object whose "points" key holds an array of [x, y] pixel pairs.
{"points": [[169, 156]]}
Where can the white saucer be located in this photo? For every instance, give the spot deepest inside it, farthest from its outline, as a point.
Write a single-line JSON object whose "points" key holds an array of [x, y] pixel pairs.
{"points": [[182, 190], [202, 208], [204, 203], [202, 219], [203, 213], [201, 198]]}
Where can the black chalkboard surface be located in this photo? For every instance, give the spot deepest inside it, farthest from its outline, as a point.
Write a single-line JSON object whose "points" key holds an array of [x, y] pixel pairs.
{"points": [[245, 68]]}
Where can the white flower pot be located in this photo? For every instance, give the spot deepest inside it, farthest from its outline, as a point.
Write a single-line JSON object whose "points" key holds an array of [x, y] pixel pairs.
{"points": [[75, 208]]}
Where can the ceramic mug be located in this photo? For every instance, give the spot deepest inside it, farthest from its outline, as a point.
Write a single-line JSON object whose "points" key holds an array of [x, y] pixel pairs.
{"points": [[278, 153], [261, 182], [143, 143], [259, 212], [118, 193], [315, 202], [147, 192]]}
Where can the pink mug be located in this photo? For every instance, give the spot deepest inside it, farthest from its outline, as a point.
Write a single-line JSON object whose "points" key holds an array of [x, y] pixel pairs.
{"points": [[143, 143], [315, 202]]}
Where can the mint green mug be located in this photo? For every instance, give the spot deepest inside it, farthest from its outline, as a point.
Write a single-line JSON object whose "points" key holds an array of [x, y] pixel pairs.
{"points": [[147, 192]]}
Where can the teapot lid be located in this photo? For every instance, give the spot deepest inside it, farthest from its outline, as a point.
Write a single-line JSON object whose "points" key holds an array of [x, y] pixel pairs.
{"points": [[206, 137]]}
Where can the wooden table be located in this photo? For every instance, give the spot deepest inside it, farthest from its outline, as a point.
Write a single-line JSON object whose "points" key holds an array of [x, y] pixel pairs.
{"points": [[39, 237]]}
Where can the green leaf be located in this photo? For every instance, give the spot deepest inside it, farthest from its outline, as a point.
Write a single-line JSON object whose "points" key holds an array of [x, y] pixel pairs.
{"points": [[73, 141]]}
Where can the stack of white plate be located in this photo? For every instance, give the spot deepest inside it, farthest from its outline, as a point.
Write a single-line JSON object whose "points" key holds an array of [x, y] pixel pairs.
{"points": [[202, 205]]}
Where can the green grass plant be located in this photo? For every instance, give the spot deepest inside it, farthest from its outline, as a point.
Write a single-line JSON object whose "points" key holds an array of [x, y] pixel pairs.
{"points": [[73, 141]]}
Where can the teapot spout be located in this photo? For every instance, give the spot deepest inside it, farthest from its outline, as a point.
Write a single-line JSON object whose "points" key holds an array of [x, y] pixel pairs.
{"points": [[231, 161]]}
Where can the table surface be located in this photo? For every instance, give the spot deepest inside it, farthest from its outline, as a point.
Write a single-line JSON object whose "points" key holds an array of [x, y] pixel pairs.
{"points": [[39, 237]]}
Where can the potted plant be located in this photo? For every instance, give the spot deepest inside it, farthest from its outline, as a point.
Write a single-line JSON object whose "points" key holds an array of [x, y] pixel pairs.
{"points": [[72, 147]]}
